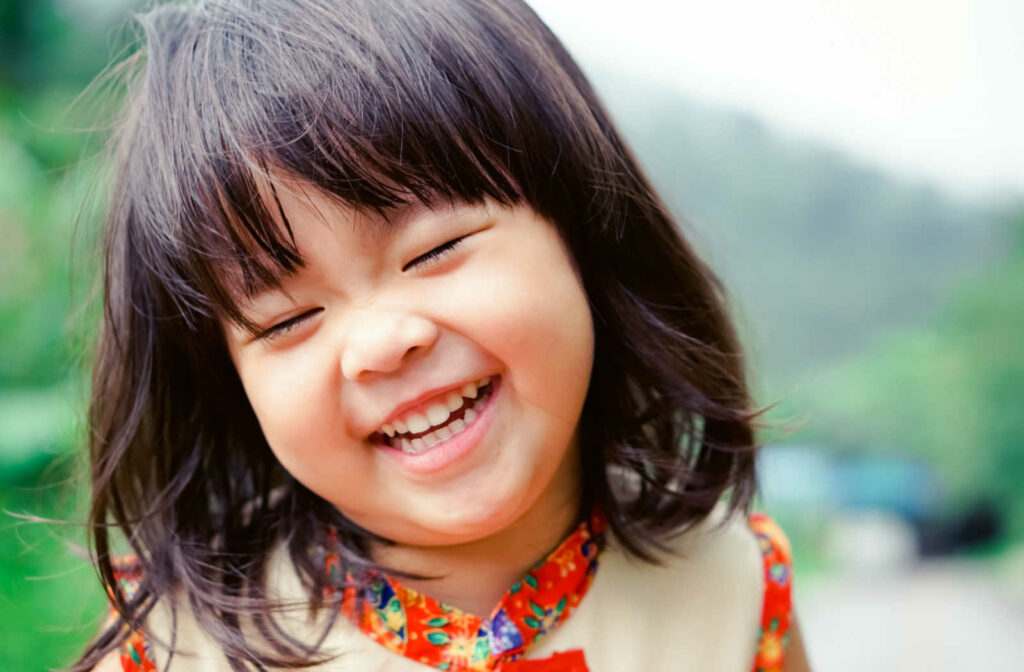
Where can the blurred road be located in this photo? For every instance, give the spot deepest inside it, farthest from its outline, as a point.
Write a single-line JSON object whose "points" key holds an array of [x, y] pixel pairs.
{"points": [[946, 616]]}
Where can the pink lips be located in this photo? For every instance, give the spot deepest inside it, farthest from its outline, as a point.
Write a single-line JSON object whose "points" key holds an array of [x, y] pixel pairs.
{"points": [[452, 449]]}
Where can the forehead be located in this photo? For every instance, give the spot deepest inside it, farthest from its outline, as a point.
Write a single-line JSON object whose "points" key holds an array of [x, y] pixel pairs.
{"points": [[290, 200]]}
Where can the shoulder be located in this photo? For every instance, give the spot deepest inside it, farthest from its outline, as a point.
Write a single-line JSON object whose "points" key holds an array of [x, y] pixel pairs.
{"points": [[753, 550], [721, 548], [172, 621], [717, 567], [145, 650], [713, 568], [698, 608]]}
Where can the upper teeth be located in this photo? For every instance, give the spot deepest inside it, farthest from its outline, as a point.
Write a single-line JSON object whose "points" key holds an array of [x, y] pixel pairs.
{"points": [[437, 413]]}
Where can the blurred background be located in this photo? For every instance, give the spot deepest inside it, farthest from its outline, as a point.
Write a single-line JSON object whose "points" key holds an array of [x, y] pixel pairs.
{"points": [[854, 170]]}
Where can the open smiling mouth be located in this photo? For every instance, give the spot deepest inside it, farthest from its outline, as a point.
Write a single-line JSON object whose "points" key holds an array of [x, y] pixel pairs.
{"points": [[419, 432]]}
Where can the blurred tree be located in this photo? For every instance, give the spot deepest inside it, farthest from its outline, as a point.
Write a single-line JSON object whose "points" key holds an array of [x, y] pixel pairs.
{"points": [[949, 392], [49, 51]]}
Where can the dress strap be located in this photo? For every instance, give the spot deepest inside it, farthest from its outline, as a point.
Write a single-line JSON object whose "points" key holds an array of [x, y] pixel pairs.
{"points": [[777, 607], [135, 653]]}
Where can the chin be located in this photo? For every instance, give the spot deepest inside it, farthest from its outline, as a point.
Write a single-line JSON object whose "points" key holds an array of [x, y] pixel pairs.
{"points": [[472, 521]]}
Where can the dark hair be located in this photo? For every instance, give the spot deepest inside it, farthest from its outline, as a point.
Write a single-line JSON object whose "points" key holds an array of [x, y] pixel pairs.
{"points": [[379, 103]]}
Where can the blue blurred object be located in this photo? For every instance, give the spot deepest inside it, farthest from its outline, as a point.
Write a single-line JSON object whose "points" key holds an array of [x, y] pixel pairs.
{"points": [[900, 485], [797, 475], [816, 482]]}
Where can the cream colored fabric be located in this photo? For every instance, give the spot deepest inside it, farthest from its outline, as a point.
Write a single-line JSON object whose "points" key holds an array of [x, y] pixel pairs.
{"points": [[697, 613]]}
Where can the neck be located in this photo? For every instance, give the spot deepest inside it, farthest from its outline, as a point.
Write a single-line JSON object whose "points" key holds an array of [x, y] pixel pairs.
{"points": [[474, 576]]}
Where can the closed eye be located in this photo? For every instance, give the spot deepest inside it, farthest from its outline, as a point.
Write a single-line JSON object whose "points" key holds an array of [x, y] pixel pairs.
{"points": [[434, 254], [282, 328]]}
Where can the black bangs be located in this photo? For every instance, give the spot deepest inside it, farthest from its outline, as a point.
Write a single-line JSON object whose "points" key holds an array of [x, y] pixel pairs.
{"points": [[376, 113]]}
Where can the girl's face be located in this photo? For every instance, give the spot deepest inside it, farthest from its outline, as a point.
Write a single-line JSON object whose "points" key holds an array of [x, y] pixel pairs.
{"points": [[425, 375]]}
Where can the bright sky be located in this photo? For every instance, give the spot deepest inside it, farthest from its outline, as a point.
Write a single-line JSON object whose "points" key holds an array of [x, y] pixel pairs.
{"points": [[930, 89]]}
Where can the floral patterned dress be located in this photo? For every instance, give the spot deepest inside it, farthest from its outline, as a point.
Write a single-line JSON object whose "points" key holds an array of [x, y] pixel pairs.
{"points": [[443, 637]]}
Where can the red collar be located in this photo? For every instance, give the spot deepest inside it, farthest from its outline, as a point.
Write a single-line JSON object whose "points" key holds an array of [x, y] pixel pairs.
{"points": [[432, 633]]}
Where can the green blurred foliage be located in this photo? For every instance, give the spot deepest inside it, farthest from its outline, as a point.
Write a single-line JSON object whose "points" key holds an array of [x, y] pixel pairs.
{"points": [[948, 391], [50, 600], [50, 603]]}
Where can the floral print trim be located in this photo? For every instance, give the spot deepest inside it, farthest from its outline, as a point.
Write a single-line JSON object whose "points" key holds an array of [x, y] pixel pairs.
{"points": [[775, 614], [446, 638], [135, 654]]}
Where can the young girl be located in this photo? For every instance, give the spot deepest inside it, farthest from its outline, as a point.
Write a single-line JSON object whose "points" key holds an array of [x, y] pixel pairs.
{"points": [[404, 364]]}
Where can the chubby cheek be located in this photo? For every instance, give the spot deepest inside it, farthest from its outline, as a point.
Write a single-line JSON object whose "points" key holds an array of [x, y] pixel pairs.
{"points": [[289, 394], [555, 339], [530, 311]]}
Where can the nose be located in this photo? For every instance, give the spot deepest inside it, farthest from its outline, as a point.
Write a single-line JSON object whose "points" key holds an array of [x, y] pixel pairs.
{"points": [[382, 341]]}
